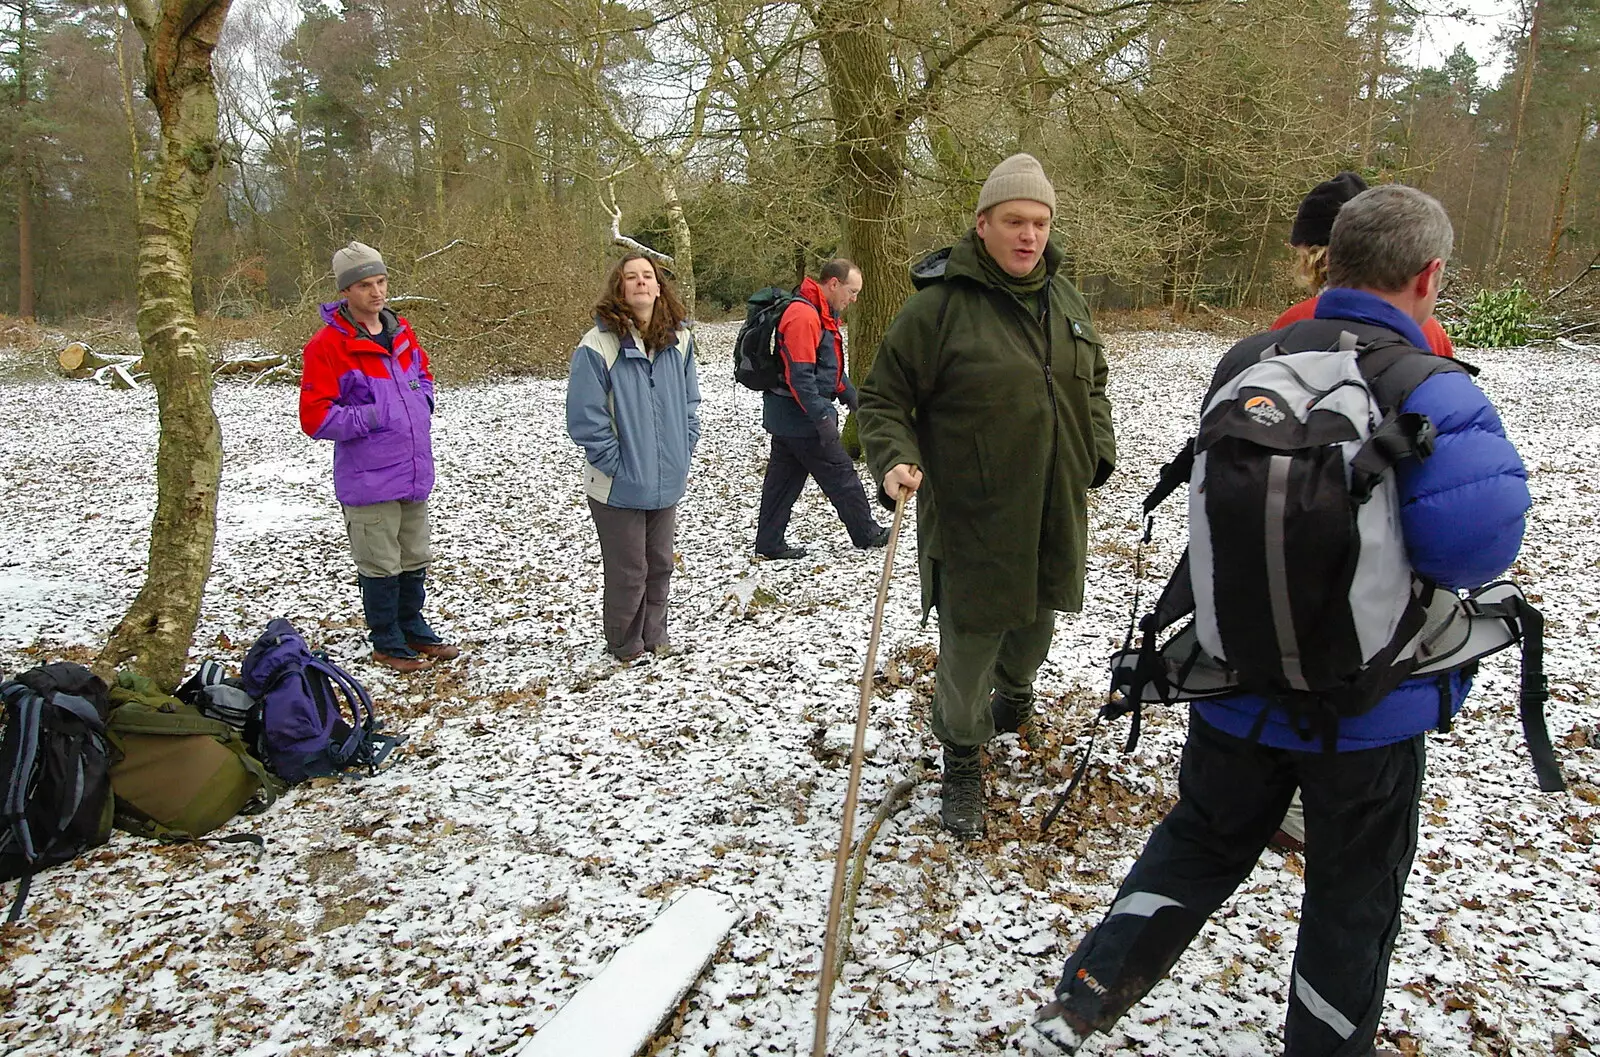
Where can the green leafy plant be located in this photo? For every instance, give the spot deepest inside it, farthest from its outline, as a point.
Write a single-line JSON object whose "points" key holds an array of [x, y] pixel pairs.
{"points": [[1497, 318]]}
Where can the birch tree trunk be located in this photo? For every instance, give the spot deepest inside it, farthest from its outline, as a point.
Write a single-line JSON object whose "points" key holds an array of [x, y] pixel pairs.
{"points": [[682, 240], [154, 635]]}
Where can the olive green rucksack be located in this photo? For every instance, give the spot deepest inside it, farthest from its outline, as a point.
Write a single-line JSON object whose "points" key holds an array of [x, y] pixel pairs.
{"points": [[181, 774]]}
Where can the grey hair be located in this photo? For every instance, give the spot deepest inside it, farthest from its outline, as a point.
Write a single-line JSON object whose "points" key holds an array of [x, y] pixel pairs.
{"points": [[1384, 236]]}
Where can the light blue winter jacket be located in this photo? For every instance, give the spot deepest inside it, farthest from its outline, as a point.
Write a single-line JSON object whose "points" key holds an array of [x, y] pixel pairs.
{"points": [[636, 417]]}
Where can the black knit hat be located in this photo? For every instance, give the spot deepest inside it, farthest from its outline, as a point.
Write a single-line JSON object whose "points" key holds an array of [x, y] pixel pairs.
{"points": [[1313, 224]]}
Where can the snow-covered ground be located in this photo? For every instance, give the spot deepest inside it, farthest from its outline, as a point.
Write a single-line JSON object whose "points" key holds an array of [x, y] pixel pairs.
{"points": [[548, 805]]}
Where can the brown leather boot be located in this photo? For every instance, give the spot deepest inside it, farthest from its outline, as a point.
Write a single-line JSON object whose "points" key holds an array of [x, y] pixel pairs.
{"points": [[439, 651], [401, 664]]}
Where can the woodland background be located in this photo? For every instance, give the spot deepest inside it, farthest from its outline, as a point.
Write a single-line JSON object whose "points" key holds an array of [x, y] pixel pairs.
{"points": [[492, 149]]}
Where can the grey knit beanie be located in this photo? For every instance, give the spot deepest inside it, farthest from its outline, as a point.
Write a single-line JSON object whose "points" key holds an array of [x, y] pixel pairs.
{"points": [[1019, 176], [354, 263]]}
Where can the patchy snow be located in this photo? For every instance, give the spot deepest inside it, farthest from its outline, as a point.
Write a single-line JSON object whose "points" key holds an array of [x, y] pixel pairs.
{"points": [[549, 804]]}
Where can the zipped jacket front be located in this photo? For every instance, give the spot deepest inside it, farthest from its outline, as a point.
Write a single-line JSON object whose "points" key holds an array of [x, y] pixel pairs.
{"points": [[375, 404]]}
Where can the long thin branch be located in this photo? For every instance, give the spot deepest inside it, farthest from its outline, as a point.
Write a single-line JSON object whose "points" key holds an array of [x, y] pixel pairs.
{"points": [[858, 870], [1592, 266], [916, 105], [608, 202]]}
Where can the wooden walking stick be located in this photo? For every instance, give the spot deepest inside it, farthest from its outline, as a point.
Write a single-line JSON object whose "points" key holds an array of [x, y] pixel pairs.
{"points": [[841, 863]]}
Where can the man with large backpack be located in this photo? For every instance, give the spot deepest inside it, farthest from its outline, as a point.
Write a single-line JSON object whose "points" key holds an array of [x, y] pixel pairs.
{"points": [[800, 414], [367, 388], [1438, 484]]}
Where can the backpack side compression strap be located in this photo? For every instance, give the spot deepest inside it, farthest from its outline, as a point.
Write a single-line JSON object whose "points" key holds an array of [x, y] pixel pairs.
{"points": [[28, 706], [1535, 693]]}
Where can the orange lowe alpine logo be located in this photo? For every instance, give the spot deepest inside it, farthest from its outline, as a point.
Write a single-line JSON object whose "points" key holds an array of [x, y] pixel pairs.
{"points": [[1264, 410]]}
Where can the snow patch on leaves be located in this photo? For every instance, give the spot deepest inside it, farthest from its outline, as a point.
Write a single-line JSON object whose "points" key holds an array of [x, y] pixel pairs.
{"points": [[550, 802]]}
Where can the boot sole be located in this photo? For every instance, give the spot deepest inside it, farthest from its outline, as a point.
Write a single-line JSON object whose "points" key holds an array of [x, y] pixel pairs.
{"points": [[963, 832], [1055, 1031]]}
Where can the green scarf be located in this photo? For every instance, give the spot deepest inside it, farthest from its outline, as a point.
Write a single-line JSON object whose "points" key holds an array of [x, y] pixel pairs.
{"points": [[1022, 289]]}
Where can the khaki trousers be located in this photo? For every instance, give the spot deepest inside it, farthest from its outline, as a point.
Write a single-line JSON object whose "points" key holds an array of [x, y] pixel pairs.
{"points": [[388, 539]]}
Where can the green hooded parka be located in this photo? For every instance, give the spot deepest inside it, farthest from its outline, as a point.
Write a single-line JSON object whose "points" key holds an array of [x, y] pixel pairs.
{"points": [[1001, 401]]}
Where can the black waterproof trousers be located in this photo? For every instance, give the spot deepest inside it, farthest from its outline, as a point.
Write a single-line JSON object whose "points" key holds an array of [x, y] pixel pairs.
{"points": [[1361, 834], [793, 459]]}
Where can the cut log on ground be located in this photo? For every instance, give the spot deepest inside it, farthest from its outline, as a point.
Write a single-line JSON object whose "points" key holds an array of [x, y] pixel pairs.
{"points": [[77, 356], [249, 365], [616, 1013], [78, 360]]}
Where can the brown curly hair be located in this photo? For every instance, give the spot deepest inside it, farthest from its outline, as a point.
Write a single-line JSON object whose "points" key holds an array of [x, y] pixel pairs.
{"points": [[613, 311]]}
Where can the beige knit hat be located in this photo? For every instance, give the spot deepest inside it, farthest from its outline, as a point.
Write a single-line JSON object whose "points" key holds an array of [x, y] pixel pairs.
{"points": [[356, 262], [1019, 176]]}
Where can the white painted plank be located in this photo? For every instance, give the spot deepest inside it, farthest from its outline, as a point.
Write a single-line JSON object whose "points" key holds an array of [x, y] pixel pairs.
{"points": [[616, 1013]]}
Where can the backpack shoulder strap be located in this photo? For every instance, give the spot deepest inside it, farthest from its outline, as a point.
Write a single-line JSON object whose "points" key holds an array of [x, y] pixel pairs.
{"points": [[353, 690], [355, 698], [1394, 369]]}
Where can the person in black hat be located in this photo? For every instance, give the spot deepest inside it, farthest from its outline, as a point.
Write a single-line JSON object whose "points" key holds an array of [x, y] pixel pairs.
{"points": [[1313, 225], [1313, 229]]}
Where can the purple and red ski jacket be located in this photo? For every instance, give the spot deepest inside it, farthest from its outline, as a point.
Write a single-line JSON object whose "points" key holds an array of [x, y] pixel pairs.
{"points": [[375, 405]]}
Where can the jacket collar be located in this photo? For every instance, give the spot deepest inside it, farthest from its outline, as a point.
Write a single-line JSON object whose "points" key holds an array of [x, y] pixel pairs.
{"points": [[962, 260], [811, 290], [336, 314], [1358, 306]]}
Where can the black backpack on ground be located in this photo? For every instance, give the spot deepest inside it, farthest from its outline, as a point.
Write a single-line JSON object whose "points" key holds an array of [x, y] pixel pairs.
{"points": [[756, 362], [55, 771]]}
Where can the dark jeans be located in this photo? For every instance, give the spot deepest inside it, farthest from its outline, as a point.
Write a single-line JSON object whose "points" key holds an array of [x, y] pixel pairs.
{"points": [[636, 555], [1361, 834], [793, 459]]}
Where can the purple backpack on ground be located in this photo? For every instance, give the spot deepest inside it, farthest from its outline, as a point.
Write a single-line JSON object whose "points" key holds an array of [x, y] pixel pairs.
{"points": [[304, 733]]}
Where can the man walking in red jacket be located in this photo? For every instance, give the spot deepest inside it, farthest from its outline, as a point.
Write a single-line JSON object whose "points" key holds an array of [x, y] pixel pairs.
{"points": [[804, 423]]}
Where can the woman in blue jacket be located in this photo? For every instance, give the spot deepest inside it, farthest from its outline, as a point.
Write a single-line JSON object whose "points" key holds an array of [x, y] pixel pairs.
{"points": [[633, 407]]}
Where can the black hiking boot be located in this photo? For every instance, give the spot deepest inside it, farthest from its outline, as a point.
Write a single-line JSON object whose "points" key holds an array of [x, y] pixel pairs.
{"points": [[961, 798], [1053, 1022], [878, 538], [1013, 715]]}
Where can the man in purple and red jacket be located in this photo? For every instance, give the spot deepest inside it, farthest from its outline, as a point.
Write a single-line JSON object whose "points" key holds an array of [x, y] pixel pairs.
{"points": [[1462, 516], [367, 387]]}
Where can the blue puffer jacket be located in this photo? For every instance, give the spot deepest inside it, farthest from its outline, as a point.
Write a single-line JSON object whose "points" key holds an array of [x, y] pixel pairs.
{"points": [[1462, 514], [635, 416]]}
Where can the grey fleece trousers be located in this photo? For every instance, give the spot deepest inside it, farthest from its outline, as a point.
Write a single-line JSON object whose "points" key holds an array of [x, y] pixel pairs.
{"points": [[636, 556]]}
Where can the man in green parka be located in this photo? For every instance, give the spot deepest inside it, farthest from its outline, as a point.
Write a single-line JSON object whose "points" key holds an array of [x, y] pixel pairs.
{"points": [[987, 399]]}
